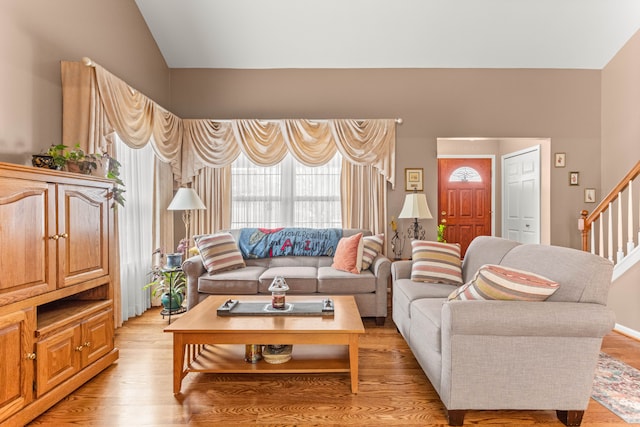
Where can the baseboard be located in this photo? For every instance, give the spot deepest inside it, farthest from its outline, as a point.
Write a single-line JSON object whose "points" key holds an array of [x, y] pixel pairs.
{"points": [[631, 333]]}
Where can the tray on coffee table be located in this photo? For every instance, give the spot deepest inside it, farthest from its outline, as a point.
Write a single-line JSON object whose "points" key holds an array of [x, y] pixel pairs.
{"points": [[232, 307]]}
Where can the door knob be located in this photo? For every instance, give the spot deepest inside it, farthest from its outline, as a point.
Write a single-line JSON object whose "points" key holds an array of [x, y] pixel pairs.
{"points": [[443, 213]]}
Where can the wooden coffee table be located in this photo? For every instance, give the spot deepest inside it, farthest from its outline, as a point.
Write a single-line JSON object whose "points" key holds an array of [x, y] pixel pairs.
{"points": [[206, 342]]}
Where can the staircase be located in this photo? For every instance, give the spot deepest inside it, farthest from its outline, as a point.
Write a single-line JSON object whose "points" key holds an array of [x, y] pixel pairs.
{"points": [[612, 231]]}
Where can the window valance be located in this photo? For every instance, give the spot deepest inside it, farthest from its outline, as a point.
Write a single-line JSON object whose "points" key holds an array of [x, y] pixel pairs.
{"points": [[192, 144]]}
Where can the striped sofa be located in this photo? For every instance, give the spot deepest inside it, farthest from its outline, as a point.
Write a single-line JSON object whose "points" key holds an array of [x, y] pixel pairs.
{"points": [[497, 354]]}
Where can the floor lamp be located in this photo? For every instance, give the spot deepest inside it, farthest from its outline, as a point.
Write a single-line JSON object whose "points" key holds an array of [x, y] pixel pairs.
{"points": [[186, 200], [415, 206]]}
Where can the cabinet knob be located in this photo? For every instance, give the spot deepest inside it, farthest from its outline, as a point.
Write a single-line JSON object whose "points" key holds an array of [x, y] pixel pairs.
{"points": [[54, 237], [64, 235], [79, 348], [87, 344], [31, 356]]}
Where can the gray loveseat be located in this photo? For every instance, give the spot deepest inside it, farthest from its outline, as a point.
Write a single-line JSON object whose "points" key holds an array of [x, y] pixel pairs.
{"points": [[482, 355], [305, 275]]}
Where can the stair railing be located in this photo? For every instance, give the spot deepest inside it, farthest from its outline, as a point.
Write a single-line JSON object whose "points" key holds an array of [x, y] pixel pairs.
{"points": [[602, 218]]}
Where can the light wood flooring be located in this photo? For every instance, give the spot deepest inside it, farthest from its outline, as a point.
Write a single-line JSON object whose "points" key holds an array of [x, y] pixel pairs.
{"points": [[136, 391]]}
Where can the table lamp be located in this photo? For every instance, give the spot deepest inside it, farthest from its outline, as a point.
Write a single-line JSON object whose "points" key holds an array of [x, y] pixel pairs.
{"points": [[185, 200], [415, 206]]}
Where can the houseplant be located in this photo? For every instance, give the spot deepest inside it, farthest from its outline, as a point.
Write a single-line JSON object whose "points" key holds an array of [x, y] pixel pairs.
{"points": [[168, 284]]}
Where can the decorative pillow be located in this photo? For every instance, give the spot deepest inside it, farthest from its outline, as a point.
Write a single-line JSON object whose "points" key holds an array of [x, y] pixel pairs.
{"points": [[372, 246], [494, 282], [348, 255], [436, 262], [219, 252]]}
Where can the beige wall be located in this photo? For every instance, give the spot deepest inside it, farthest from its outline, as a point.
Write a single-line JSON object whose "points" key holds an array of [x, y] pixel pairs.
{"points": [[621, 114], [35, 35], [563, 105]]}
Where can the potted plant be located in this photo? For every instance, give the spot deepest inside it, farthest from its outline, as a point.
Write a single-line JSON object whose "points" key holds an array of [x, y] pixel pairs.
{"points": [[168, 284]]}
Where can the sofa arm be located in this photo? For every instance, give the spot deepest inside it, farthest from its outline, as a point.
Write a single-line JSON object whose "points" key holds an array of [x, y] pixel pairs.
{"points": [[193, 269], [520, 318], [401, 270]]}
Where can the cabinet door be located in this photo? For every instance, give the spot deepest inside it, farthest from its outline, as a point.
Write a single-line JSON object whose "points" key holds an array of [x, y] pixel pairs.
{"points": [[27, 254], [97, 336], [16, 367], [83, 222], [58, 358]]}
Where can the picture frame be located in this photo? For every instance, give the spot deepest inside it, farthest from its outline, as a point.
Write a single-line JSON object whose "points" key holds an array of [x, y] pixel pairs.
{"points": [[574, 178], [589, 195], [560, 160], [413, 180]]}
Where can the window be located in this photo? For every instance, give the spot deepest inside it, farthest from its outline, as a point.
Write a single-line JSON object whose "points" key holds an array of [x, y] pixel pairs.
{"points": [[288, 194], [465, 174]]}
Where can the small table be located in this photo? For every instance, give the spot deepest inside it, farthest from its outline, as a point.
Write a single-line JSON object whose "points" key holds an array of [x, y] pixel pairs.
{"points": [[321, 344]]}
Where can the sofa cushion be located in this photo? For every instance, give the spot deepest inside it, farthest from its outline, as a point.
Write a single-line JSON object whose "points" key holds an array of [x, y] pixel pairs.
{"points": [[405, 291], [301, 280], [372, 246], [332, 281], [436, 262], [219, 252], [242, 281], [348, 255], [494, 282]]}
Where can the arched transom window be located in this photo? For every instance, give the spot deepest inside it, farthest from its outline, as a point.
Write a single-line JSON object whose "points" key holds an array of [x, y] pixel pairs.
{"points": [[465, 174]]}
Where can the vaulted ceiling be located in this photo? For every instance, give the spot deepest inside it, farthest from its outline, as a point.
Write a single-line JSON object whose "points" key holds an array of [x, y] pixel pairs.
{"points": [[259, 34]]}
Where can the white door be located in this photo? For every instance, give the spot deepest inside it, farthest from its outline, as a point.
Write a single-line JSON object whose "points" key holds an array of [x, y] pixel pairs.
{"points": [[521, 196]]}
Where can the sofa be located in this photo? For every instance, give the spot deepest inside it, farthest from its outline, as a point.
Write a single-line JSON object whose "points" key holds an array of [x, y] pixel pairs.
{"points": [[499, 354], [304, 274]]}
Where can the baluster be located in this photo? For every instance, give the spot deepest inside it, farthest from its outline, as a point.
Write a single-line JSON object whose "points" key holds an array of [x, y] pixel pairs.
{"points": [[620, 254], [610, 233], [601, 237], [630, 244], [593, 238]]}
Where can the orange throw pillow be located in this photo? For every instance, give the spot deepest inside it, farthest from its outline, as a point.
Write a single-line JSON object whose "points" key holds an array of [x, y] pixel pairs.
{"points": [[348, 255]]}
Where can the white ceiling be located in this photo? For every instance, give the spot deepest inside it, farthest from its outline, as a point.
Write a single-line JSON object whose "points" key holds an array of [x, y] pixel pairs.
{"points": [[578, 34]]}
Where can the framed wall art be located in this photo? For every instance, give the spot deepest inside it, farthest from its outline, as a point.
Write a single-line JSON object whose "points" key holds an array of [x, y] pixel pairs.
{"points": [[574, 178], [413, 179], [589, 195], [560, 160]]}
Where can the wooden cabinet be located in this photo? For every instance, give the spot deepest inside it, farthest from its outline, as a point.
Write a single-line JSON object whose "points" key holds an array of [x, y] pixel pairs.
{"points": [[56, 287], [66, 345], [16, 366]]}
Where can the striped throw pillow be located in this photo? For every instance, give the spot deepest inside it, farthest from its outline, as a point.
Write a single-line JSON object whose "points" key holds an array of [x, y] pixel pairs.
{"points": [[494, 282], [436, 262], [372, 247], [219, 252]]}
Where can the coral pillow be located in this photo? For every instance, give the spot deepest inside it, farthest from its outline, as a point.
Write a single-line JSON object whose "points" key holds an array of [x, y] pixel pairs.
{"points": [[436, 262], [372, 246], [348, 255], [219, 252], [495, 282]]}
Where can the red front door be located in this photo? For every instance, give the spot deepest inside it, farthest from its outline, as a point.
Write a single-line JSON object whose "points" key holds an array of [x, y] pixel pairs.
{"points": [[464, 199]]}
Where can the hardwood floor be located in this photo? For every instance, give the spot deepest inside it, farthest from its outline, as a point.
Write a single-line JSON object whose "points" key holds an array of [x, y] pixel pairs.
{"points": [[136, 391]]}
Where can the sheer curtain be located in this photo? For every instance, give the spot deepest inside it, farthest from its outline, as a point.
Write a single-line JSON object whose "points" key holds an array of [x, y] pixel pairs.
{"points": [[135, 227]]}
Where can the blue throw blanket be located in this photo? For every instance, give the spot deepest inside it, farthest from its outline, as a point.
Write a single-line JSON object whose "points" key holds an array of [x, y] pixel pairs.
{"points": [[267, 243]]}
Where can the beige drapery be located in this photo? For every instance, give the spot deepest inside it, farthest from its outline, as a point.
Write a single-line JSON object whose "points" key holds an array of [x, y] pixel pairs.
{"points": [[96, 103]]}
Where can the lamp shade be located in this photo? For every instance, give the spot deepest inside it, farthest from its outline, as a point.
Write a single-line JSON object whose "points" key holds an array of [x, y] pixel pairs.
{"points": [[415, 206], [186, 199]]}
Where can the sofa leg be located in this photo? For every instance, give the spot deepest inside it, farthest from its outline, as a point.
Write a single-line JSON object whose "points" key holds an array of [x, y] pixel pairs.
{"points": [[455, 416], [380, 321], [570, 418]]}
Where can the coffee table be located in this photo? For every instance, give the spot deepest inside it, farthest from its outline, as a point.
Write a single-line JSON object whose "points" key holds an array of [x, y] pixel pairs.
{"points": [[206, 342]]}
